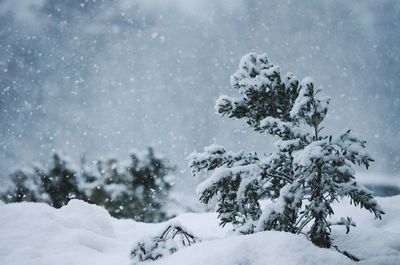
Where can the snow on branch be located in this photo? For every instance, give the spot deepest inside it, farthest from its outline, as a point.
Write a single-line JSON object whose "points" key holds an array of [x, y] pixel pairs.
{"points": [[170, 240], [304, 175]]}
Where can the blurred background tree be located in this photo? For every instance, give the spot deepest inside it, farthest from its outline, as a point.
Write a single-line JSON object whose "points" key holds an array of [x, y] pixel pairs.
{"points": [[137, 189]]}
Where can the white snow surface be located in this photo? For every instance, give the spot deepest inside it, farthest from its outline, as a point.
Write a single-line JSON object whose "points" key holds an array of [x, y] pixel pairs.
{"points": [[81, 233]]}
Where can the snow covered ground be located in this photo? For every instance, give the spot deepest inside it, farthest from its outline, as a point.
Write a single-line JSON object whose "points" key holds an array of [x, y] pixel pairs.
{"points": [[80, 233]]}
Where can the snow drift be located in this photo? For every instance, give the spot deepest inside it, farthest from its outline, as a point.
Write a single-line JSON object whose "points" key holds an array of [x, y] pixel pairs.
{"points": [[81, 233]]}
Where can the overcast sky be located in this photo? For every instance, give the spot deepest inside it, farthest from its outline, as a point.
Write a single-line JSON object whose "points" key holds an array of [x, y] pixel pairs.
{"points": [[99, 78]]}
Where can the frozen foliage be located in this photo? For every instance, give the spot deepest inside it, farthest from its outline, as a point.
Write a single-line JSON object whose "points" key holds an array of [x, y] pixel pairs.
{"points": [[137, 189], [55, 184], [170, 240], [303, 177], [226, 182], [80, 234]]}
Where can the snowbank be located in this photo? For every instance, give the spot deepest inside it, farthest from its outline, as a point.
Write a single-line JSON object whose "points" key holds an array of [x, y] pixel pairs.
{"points": [[80, 233]]}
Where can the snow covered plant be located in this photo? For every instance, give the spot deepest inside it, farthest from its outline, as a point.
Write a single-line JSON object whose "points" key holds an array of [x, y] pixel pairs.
{"points": [[306, 173], [138, 188], [172, 238]]}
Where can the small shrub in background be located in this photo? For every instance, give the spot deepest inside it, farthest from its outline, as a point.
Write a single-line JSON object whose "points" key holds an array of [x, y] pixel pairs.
{"points": [[138, 189]]}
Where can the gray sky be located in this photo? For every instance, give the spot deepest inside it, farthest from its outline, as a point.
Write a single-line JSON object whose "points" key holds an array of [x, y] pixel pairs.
{"points": [[102, 77]]}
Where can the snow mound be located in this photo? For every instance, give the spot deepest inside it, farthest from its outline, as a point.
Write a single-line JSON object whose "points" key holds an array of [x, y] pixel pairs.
{"points": [[81, 233], [256, 249]]}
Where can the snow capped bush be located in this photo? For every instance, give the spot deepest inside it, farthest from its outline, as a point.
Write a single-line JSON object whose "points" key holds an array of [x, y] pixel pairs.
{"points": [[137, 189], [55, 184], [302, 178], [170, 240]]}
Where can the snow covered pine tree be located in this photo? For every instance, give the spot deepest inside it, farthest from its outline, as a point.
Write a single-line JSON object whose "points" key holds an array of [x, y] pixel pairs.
{"points": [[55, 184], [302, 178], [137, 189]]}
